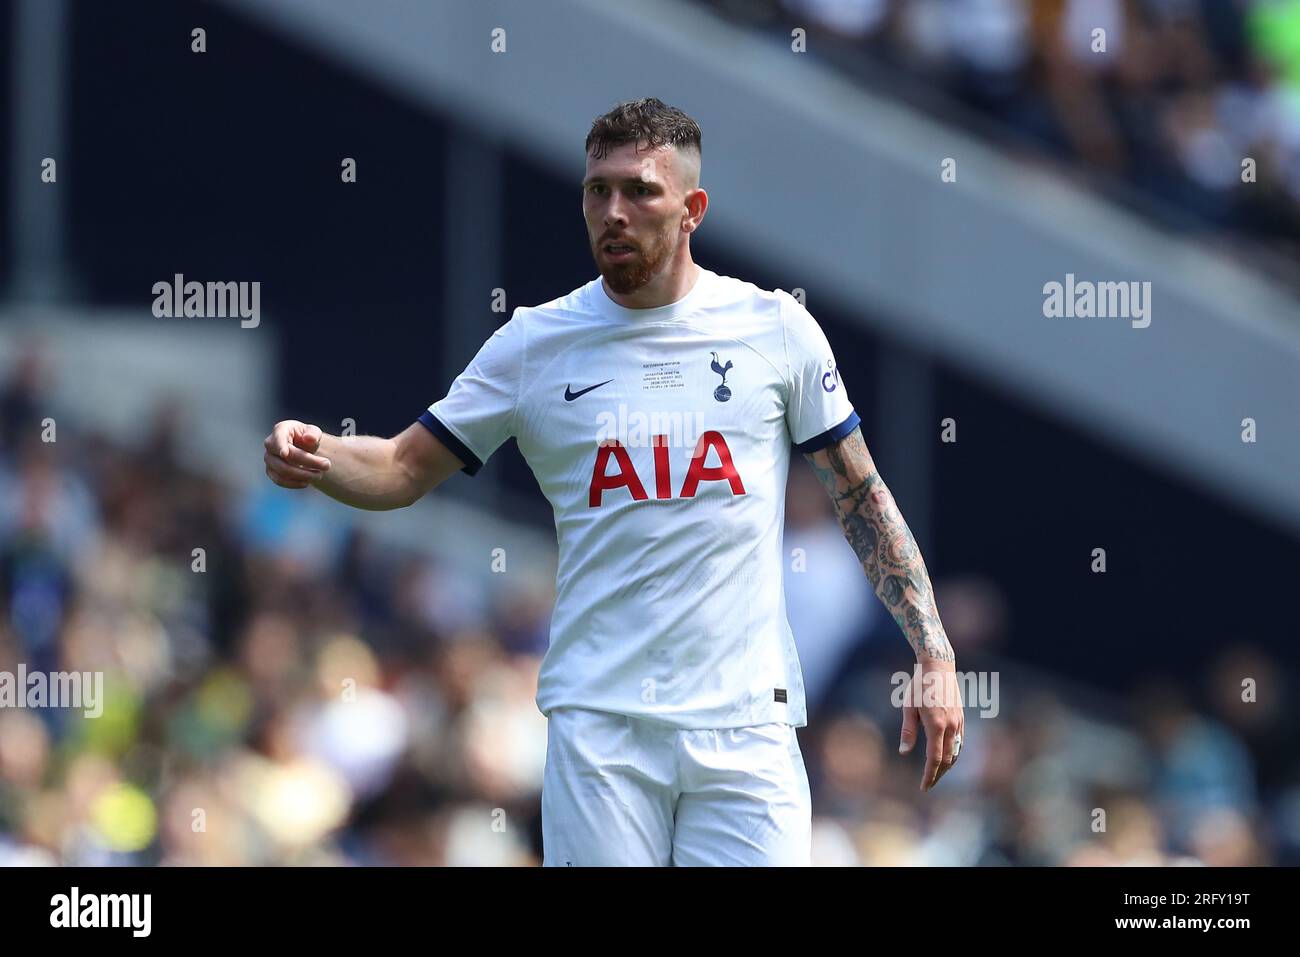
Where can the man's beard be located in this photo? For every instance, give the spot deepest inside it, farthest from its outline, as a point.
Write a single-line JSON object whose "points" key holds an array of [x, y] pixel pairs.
{"points": [[626, 278]]}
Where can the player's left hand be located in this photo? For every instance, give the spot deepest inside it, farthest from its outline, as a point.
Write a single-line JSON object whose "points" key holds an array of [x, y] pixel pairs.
{"points": [[937, 706]]}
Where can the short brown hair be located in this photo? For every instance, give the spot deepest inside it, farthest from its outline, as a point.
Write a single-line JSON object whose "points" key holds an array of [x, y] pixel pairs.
{"points": [[649, 121]]}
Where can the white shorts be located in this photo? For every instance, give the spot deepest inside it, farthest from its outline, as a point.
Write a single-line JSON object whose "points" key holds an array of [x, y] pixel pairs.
{"points": [[623, 791]]}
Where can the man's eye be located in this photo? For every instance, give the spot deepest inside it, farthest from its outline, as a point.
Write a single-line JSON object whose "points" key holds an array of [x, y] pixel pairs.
{"points": [[643, 191]]}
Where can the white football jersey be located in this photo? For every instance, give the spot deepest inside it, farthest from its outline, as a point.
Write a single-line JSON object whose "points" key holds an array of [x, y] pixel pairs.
{"points": [[661, 438]]}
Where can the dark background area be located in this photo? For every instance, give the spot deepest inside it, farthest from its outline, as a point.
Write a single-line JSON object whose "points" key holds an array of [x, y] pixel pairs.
{"points": [[6, 110]]}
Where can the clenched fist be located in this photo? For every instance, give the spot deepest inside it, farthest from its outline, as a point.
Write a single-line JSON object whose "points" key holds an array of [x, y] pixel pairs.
{"points": [[290, 456]]}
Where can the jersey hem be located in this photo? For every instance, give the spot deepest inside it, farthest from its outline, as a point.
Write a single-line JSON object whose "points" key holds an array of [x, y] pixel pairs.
{"points": [[796, 718]]}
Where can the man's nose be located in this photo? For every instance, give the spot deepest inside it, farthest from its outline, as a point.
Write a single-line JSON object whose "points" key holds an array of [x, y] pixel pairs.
{"points": [[614, 211]]}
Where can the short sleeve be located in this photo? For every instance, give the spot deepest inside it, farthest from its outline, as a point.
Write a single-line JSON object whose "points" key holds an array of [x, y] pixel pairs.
{"points": [[478, 413], [818, 411]]}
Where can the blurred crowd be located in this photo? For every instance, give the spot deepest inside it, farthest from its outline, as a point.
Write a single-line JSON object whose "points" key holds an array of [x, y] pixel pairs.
{"points": [[1158, 102], [280, 690]]}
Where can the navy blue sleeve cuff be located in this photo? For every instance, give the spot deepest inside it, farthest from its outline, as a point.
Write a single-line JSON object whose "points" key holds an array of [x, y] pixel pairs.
{"points": [[830, 436], [458, 448]]}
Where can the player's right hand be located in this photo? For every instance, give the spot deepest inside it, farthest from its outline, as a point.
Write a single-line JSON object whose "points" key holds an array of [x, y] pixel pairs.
{"points": [[290, 456]]}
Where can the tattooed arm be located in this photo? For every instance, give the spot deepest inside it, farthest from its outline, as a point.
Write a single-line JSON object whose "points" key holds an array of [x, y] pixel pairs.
{"points": [[883, 542], [893, 564]]}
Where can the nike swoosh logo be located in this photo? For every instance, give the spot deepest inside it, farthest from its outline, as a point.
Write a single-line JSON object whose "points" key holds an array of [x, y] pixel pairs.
{"points": [[570, 395]]}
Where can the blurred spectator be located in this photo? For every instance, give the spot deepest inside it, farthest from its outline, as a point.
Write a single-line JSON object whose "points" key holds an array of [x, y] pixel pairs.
{"points": [[1160, 102]]}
